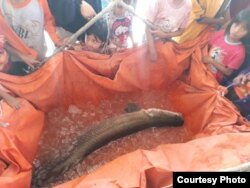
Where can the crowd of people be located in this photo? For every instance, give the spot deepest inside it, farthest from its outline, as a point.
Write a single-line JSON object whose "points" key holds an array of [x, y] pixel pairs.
{"points": [[173, 20]]}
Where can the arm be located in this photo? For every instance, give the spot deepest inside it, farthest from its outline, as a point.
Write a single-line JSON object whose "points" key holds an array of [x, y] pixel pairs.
{"points": [[150, 15], [226, 71], [227, 18], [10, 100], [151, 45], [241, 79], [207, 20], [49, 21], [220, 20], [28, 59], [164, 35], [87, 10], [4, 55]]}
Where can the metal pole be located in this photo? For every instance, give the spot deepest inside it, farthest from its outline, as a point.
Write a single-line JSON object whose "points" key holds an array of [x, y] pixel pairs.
{"points": [[74, 37]]}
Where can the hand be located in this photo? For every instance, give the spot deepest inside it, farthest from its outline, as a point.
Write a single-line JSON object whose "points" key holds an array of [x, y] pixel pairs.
{"points": [[199, 20], [63, 42], [29, 60], [87, 10], [240, 80], [77, 47], [207, 59], [222, 90], [159, 33], [13, 102]]}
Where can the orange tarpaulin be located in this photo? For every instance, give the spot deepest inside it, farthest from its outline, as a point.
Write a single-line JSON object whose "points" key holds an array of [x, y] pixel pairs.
{"points": [[19, 135], [153, 168], [67, 75], [79, 77], [196, 95]]}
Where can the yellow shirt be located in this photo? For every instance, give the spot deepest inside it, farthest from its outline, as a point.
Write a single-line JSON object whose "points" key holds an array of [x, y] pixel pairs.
{"points": [[201, 8]]}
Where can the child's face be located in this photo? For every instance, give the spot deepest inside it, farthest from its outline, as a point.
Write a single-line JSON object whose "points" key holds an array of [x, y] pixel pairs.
{"points": [[238, 31], [93, 42], [120, 10]]}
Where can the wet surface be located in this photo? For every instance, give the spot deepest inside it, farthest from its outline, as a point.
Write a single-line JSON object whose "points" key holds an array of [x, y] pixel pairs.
{"points": [[63, 127]]}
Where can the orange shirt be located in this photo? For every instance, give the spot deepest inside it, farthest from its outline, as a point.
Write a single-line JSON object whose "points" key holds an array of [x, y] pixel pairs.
{"points": [[17, 43]]}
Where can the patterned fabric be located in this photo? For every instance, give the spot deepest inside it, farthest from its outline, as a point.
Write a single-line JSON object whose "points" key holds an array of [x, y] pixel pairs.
{"points": [[167, 16], [27, 20], [231, 55], [120, 28]]}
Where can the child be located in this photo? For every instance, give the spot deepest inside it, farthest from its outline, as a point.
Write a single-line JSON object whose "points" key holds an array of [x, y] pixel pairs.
{"points": [[204, 13], [28, 19], [240, 94], [4, 58], [218, 20], [170, 18], [120, 24], [71, 15], [227, 51], [95, 38], [237, 6]]}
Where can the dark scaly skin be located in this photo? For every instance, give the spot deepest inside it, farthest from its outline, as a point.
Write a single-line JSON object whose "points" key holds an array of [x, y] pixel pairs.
{"points": [[105, 132]]}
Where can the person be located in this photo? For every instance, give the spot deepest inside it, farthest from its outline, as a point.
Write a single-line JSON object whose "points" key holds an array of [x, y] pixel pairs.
{"points": [[169, 17], [237, 5], [95, 38], [240, 93], [205, 13], [28, 19], [71, 15], [120, 27], [9, 99], [4, 59], [227, 51], [18, 68], [220, 19], [234, 7]]}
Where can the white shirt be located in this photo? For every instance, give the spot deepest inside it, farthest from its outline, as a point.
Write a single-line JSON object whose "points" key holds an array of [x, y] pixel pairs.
{"points": [[167, 16], [28, 23]]}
